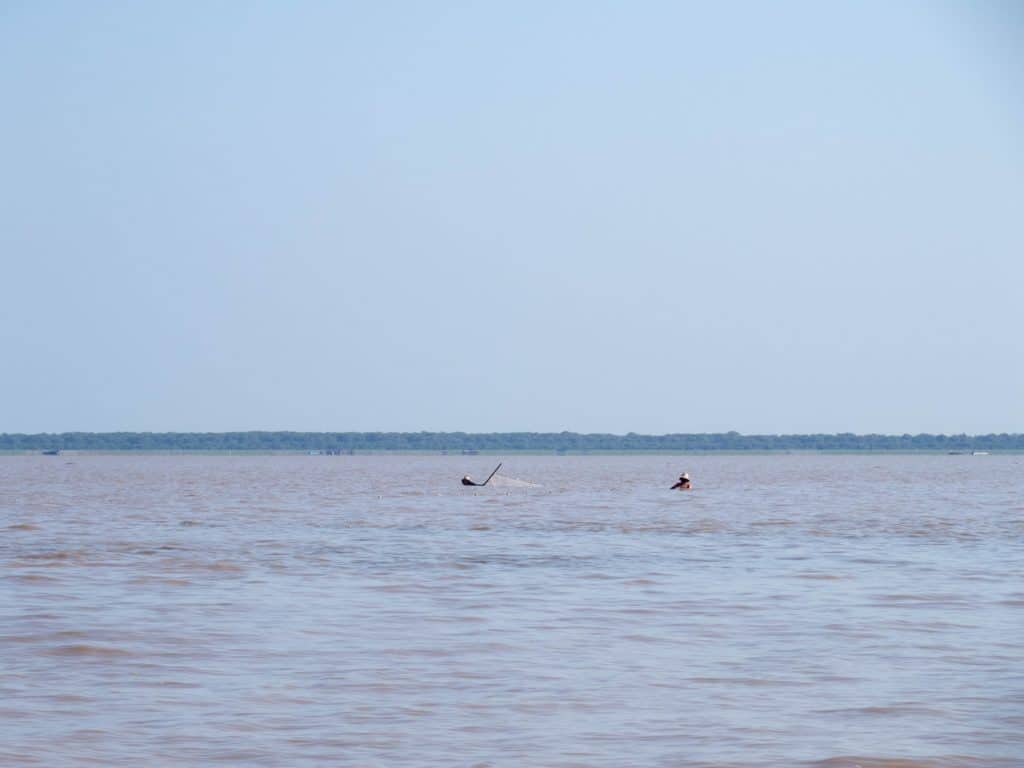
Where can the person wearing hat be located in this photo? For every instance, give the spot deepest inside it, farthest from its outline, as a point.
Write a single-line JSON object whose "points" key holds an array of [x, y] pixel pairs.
{"points": [[683, 484], [467, 480]]}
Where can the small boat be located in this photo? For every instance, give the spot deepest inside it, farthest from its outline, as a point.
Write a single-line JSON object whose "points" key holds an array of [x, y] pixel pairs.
{"points": [[52, 452], [979, 453]]}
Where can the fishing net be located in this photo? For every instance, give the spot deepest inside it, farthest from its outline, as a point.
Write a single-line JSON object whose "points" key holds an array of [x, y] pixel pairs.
{"points": [[503, 481]]}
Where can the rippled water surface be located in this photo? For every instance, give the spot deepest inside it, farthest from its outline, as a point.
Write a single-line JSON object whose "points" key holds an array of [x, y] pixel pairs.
{"points": [[825, 611]]}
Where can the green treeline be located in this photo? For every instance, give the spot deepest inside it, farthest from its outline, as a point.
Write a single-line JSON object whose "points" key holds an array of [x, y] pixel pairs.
{"points": [[499, 441]]}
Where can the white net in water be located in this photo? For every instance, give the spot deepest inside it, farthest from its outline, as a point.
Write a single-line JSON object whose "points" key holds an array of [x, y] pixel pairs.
{"points": [[503, 481]]}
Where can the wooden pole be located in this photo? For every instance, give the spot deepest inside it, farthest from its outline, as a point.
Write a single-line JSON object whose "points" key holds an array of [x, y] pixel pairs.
{"points": [[492, 474]]}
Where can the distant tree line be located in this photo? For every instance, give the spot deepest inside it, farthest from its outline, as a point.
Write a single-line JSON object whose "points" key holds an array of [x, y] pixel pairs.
{"points": [[346, 442]]}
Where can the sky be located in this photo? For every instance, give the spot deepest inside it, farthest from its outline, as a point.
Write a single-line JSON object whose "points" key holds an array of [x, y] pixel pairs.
{"points": [[591, 216]]}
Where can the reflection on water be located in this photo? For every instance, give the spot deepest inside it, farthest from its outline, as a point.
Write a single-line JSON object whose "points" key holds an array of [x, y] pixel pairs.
{"points": [[826, 611]]}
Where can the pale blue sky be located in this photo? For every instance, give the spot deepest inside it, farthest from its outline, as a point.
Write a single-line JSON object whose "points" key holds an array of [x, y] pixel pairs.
{"points": [[593, 216]]}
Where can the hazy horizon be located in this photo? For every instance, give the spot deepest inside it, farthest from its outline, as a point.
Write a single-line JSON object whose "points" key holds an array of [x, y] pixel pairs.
{"points": [[656, 217]]}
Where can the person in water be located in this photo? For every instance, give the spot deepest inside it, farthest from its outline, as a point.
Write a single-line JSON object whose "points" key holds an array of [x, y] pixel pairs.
{"points": [[467, 480], [683, 483]]}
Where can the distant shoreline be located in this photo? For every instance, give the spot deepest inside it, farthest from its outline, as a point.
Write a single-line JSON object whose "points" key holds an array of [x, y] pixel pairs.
{"points": [[515, 452], [465, 443]]}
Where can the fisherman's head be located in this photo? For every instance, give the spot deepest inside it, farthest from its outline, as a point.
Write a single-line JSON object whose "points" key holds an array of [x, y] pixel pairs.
{"points": [[685, 477]]}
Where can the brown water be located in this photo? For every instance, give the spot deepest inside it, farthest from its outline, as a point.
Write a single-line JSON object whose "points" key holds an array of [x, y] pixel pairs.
{"points": [[826, 611]]}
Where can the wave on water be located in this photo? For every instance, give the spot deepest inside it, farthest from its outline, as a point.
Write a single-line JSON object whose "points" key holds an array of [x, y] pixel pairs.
{"points": [[952, 761], [87, 649]]}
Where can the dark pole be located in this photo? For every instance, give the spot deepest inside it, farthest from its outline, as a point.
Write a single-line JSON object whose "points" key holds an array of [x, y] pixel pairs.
{"points": [[491, 475]]}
